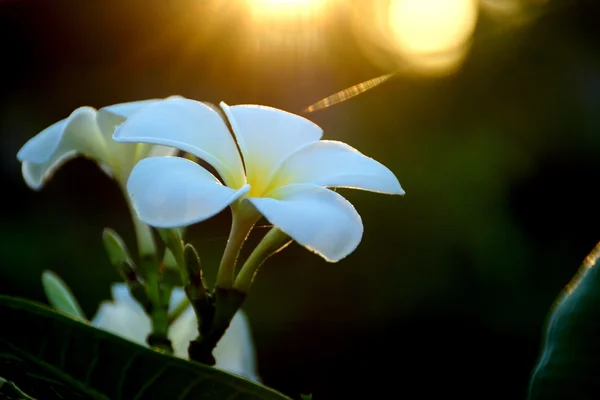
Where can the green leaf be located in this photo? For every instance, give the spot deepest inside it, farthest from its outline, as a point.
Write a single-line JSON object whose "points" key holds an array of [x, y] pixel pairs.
{"points": [[569, 365], [8, 390], [52, 356], [60, 296]]}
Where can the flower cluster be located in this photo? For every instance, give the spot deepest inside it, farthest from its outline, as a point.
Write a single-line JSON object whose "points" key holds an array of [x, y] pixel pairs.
{"points": [[269, 163]]}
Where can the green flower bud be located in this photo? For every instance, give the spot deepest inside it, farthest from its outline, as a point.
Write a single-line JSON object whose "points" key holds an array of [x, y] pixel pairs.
{"points": [[60, 296]]}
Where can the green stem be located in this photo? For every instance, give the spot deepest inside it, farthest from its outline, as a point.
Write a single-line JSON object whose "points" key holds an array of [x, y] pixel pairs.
{"points": [[244, 216], [174, 243], [144, 237], [143, 232], [159, 314], [159, 308], [273, 242], [179, 309]]}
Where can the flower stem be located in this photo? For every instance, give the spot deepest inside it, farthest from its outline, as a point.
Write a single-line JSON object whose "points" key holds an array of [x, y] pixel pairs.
{"points": [[173, 241], [158, 307], [143, 233], [219, 312], [273, 242], [159, 313], [244, 216]]}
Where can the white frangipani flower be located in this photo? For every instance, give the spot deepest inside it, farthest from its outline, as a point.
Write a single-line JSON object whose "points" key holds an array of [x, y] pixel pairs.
{"points": [[125, 317], [86, 132], [283, 171]]}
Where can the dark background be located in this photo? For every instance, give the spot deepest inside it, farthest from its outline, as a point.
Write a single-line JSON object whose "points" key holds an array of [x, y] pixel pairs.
{"points": [[447, 293]]}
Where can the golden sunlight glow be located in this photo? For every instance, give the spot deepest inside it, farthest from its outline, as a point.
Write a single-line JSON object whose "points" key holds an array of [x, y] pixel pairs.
{"points": [[275, 9], [416, 37], [512, 12], [285, 27], [502, 8], [432, 26]]}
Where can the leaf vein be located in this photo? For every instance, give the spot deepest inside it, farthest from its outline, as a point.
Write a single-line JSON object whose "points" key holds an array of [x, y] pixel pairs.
{"points": [[89, 372], [151, 381], [124, 373], [63, 353], [52, 370], [42, 347], [189, 388]]}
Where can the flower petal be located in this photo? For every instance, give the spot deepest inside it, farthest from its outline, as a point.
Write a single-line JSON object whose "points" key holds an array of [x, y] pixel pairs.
{"points": [[336, 164], [121, 294], [48, 150], [183, 330], [170, 192], [126, 110], [122, 155], [267, 136], [126, 155], [123, 316], [190, 126], [109, 118], [235, 351], [317, 218]]}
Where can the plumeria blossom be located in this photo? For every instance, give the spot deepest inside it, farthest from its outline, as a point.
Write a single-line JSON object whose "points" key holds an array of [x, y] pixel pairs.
{"points": [[125, 317], [86, 132], [282, 169]]}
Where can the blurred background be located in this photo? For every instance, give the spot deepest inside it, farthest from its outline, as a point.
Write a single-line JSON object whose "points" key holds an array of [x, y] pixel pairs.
{"points": [[491, 122]]}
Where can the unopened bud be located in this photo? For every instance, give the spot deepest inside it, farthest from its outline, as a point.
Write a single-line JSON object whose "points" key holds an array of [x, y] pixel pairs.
{"points": [[60, 296], [115, 247]]}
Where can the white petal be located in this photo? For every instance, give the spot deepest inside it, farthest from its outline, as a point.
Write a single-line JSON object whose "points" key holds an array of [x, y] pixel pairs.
{"points": [[336, 164], [317, 218], [266, 137], [42, 146], [190, 126], [121, 294], [122, 154], [183, 330], [235, 351], [170, 192], [126, 110], [48, 150], [127, 154], [123, 317]]}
